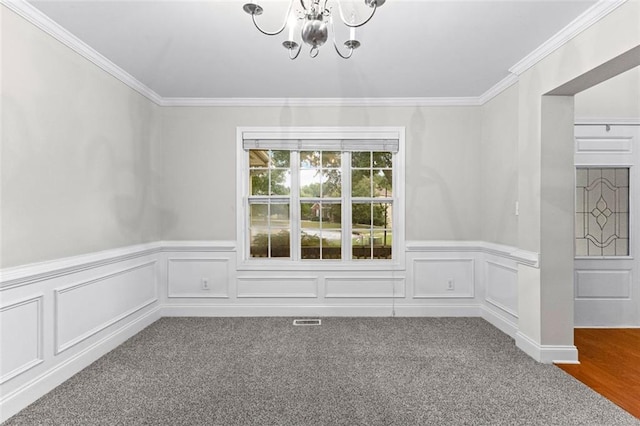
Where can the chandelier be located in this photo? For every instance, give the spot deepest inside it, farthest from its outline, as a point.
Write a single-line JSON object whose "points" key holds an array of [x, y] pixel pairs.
{"points": [[316, 20]]}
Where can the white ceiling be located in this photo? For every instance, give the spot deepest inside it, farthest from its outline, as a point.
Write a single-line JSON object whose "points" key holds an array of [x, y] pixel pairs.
{"points": [[414, 49]]}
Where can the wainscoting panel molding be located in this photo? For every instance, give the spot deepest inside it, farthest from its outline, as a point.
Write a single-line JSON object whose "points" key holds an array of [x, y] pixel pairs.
{"points": [[444, 278], [606, 284], [86, 308], [198, 277], [502, 287], [21, 338], [364, 287], [57, 317], [278, 287]]}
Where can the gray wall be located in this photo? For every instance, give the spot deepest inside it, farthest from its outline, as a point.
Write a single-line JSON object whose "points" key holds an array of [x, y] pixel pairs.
{"points": [[77, 153], [199, 165], [618, 97], [499, 168]]}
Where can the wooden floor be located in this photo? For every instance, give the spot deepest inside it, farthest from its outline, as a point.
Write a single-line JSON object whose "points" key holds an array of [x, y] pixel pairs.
{"points": [[609, 364]]}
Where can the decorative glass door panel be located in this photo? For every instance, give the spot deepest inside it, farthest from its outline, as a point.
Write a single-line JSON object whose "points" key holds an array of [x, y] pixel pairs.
{"points": [[602, 211]]}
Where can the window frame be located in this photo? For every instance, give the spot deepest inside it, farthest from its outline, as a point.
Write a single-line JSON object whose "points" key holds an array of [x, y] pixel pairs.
{"points": [[309, 134]]}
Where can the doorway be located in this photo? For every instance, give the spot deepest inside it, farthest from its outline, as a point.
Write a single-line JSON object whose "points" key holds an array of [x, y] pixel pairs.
{"points": [[606, 283]]}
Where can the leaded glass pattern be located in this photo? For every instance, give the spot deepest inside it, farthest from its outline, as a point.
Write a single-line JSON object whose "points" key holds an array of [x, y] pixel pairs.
{"points": [[602, 211]]}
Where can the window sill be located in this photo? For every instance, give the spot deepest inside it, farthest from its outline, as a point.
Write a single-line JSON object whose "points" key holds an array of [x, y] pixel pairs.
{"points": [[603, 258]]}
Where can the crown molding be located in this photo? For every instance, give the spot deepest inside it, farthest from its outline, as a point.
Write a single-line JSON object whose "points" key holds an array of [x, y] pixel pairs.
{"points": [[498, 88], [46, 24], [320, 102], [592, 15]]}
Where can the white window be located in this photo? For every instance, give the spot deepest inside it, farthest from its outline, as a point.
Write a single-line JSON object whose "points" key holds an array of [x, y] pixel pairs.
{"points": [[321, 195]]}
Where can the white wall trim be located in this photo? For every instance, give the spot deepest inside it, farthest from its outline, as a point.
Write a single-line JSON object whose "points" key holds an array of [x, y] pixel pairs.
{"points": [[524, 257], [498, 88], [499, 321], [60, 346], [15, 401], [46, 24], [199, 246], [493, 302], [39, 299], [547, 354], [612, 121], [321, 102], [35, 272], [592, 15], [285, 310]]}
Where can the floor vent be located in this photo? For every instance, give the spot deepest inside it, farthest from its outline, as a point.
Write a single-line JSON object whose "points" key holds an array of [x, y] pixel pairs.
{"points": [[306, 322]]}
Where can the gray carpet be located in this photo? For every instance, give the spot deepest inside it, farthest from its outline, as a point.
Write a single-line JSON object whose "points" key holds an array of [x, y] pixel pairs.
{"points": [[348, 371]]}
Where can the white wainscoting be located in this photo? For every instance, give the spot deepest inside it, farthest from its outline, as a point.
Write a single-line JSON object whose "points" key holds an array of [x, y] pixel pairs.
{"points": [[198, 277], [22, 340], [443, 278], [483, 273], [605, 298], [93, 303], [604, 284], [438, 279], [277, 287], [364, 286], [86, 308], [58, 317]]}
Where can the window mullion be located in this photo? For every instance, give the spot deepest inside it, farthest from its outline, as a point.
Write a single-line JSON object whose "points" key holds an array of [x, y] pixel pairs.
{"points": [[294, 206], [346, 207]]}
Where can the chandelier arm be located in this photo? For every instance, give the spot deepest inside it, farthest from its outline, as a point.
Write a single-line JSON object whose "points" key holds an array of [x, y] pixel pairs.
{"points": [[284, 25], [297, 53], [340, 53], [344, 21], [335, 45]]}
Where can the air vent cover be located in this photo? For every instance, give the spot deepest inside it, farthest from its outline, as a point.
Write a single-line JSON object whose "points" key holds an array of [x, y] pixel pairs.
{"points": [[306, 322]]}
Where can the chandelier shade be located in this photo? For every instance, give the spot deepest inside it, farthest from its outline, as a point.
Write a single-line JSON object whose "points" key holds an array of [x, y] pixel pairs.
{"points": [[315, 19]]}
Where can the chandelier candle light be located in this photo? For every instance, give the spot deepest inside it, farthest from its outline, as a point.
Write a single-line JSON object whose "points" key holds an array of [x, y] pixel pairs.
{"points": [[316, 19]]}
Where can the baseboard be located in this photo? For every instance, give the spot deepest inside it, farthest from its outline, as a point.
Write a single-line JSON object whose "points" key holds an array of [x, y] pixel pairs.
{"points": [[272, 310], [547, 354], [499, 321], [17, 400]]}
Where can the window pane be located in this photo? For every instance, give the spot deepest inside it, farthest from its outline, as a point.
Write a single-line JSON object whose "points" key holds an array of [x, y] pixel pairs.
{"points": [[280, 243], [382, 215], [280, 182], [361, 244], [331, 184], [361, 159], [602, 206], [280, 230], [332, 244], [382, 160], [258, 158], [360, 183], [309, 159], [382, 237], [310, 226], [382, 183], [361, 215], [259, 181], [259, 230], [331, 159], [281, 159], [309, 183], [331, 216], [321, 236]]}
